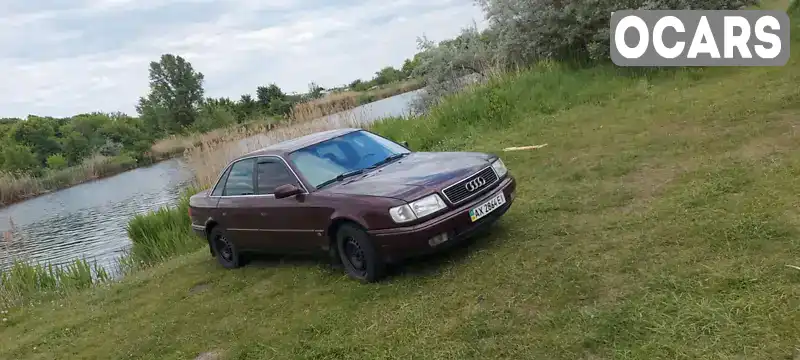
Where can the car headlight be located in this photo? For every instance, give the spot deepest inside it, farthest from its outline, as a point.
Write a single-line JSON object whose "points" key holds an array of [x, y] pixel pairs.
{"points": [[402, 213], [417, 209], [499, 168]]}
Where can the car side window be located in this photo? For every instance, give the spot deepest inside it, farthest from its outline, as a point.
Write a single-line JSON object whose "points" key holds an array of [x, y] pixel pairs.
{"points": [[218, 190], [240, 179], [271, 173]]}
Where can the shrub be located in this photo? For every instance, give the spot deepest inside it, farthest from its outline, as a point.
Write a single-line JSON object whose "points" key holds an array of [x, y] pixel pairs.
{"points": [[110, 148], [17, 158], [56, 162], [213, 117], [365, 98], [525, 31]]}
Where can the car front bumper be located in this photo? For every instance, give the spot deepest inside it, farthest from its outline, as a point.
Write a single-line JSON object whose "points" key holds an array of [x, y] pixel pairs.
{"points": [[400, 243]]}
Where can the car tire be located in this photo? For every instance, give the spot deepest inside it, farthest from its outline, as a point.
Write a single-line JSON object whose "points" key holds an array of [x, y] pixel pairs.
{"points": [[358, 255], [226, 252]]}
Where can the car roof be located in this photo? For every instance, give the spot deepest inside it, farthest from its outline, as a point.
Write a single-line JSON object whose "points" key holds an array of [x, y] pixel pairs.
{"points": [[288, 146]]}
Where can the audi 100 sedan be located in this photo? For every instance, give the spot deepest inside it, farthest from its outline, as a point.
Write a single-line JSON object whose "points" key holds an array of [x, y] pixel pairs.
{"points": [[350, 194]]}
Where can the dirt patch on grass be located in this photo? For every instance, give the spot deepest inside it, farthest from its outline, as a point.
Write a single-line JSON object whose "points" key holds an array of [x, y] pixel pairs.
{"points": [[782, 135]]}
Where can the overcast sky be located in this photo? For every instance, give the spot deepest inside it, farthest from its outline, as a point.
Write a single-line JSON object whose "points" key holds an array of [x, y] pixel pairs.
{"points": [[63, 57]]}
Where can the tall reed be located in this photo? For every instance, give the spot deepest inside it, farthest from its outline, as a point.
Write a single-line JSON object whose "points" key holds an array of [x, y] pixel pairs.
{"points": [[17, 187], [161, 234], [346, 100], [25, 281]]}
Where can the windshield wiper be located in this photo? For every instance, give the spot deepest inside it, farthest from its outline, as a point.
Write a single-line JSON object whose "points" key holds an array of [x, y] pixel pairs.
{"points": [[340, 177], [388, 159]]}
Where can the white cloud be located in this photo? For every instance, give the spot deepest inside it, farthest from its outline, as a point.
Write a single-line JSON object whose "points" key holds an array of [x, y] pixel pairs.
{"points": [[247, 45]]}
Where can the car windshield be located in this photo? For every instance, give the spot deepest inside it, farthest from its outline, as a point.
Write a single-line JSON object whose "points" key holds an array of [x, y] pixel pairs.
{"points": [[324, 162]]}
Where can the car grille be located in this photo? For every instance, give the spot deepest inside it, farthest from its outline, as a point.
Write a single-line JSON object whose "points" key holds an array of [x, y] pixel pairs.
{"points": [[470, 186]]}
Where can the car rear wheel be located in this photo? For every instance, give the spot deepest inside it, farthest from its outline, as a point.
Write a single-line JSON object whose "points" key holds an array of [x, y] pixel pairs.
{"points": [[226, 251], [358, 254]]}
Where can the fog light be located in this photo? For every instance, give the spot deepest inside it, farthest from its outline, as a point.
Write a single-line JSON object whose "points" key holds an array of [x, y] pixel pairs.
{"points": [[438, 239]]}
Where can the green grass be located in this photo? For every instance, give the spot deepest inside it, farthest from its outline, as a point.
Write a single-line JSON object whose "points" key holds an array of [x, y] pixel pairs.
{"points": [[25, 282], [162, 234], [656, 224]]}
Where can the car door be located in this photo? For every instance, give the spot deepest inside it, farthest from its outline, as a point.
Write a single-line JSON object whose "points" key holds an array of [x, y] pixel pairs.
{"points": [[237, 212], [283, 221]]}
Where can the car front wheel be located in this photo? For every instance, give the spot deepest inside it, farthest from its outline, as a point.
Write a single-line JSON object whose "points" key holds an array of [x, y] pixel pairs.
{"points": [[358, 254], [226, 251]]}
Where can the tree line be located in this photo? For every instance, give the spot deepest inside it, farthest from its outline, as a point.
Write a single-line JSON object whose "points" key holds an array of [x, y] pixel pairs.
{"points": [[175, 104]]}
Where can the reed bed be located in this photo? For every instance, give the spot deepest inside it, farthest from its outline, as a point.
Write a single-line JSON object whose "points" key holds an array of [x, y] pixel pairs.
{"points": [[25, 281], [18, 187], [346, 100], [161, 234], [176, 144]]}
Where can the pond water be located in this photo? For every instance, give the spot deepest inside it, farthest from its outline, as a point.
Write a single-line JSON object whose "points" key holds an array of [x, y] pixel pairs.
{"points": [[89, 220]]}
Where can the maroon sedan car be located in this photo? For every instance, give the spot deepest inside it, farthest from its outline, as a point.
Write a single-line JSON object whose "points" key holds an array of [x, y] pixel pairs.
{"points": [[350, 194]]}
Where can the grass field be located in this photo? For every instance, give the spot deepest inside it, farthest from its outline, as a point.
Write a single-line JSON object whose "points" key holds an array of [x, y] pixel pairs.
{"points": [[657, 223]]}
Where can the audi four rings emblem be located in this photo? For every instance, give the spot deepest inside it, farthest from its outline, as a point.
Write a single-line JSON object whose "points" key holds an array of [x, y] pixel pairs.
{"points": [[475, 184]]}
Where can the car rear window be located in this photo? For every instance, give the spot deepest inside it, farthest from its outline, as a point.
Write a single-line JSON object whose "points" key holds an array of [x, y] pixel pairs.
{"points": [[240, 179]]}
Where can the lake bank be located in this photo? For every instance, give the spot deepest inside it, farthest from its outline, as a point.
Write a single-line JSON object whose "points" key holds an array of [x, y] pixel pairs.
{"points": [[658, 220], [15, 189], [89, 220]]}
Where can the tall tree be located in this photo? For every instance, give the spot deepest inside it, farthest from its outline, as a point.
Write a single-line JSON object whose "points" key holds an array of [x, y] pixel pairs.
{"points": [[388, 75], [247, 107], [176, 92], [267, 94]]}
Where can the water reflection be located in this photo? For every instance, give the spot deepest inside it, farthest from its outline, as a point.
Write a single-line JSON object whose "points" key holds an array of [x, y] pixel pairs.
{"points": [[88, 220]]}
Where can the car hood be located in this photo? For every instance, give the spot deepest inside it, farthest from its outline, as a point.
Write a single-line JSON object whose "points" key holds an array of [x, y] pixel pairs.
{"points": [[415, 175]]}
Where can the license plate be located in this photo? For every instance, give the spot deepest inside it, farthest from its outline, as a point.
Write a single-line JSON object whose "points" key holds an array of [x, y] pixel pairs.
{"points": [[487, 207]]}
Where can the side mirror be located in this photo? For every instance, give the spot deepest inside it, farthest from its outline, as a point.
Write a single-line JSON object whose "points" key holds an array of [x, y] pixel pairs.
{"points": [[287, 190], [405, 145]]}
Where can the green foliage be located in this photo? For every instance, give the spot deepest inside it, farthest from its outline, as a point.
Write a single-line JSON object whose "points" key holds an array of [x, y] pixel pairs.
{"points": [[574, 30], [410, 65], [267, 94], [388, 75], [447, 66], [39, 134], [280, 107], [110, 148], [76, 147], [176, 92], [28, 281], [365, 98], [17, 158], [214, 117], [56, 162], [163, 233]]}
